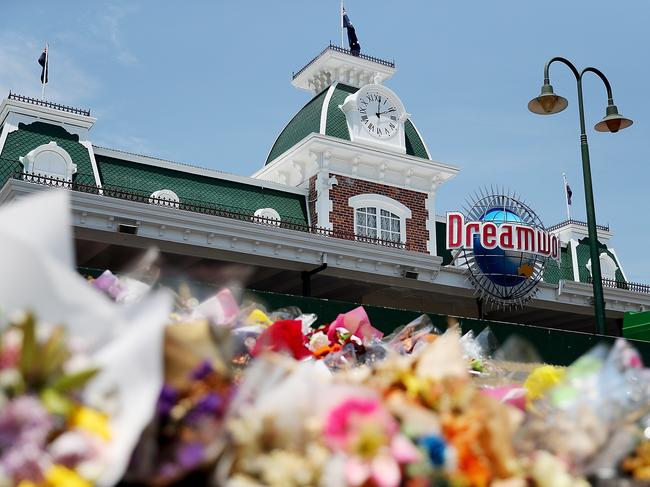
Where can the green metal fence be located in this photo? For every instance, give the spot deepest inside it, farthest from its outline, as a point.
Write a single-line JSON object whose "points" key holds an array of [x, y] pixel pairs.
{"points": [[557, 347]]}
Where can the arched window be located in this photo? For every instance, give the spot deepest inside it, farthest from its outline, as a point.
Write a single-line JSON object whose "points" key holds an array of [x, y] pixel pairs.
{"points": [[49, 160], [378, 216], [165, 197]]}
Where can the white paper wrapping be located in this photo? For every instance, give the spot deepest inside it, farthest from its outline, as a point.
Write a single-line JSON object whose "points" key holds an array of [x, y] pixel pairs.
{"points": [[37, 273]]}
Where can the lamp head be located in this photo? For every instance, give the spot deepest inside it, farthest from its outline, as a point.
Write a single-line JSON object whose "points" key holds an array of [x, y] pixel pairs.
{"points": [[547, 103], [612, 122]]}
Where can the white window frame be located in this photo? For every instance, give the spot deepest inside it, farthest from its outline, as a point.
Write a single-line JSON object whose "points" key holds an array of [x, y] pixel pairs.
{"points": [[381, 202], [30, 160], [165, 197]]}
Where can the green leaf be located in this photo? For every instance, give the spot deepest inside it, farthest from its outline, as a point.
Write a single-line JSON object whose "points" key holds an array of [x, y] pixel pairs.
{"points": [[54, 352], [71, 382], [56, 403], [29, 349]]}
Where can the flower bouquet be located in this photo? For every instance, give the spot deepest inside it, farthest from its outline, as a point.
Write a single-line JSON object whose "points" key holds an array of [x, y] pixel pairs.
{"points": [[77, 396], [49, 435]]}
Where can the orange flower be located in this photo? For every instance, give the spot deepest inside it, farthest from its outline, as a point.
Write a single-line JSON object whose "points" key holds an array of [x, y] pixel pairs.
{"points": [[326, 350]]}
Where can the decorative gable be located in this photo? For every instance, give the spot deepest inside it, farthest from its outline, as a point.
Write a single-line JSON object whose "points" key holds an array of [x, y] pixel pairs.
{"points": [[49, 160]]}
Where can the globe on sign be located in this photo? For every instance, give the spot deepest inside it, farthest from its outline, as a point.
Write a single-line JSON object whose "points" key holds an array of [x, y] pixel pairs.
{"points": [[503, 267]]}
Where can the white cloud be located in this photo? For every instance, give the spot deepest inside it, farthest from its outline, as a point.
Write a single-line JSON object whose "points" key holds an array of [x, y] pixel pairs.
{"points": [[68, 83], [112, 20]]}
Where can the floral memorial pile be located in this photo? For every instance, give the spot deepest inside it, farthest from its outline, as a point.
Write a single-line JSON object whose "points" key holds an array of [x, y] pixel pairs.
{"points": [[115, 381]]}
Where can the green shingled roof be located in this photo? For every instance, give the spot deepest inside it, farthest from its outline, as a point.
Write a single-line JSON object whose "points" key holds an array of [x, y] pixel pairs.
{"points": [[144, 179], [28, 137], [557, 271], [198, 189], [307, 121]]}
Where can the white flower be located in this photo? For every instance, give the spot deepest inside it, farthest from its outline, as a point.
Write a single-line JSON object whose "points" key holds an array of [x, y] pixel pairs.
{"points": [[318, 340]]}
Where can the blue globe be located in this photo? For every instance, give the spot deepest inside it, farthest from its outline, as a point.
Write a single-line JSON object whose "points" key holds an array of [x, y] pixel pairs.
{"points": [[503, 267]]}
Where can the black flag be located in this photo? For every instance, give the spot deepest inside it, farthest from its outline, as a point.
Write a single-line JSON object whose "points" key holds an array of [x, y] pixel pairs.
{"points": [[569, 193], [43, 61], [355, 47]]}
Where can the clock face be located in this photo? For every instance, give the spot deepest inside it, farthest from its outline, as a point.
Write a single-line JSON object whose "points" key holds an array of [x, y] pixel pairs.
{"points": [[379, 114]]}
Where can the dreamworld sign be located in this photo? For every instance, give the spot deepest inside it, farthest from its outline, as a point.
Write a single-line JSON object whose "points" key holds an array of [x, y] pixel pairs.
{"points": [[503, 245], [506, 236]]}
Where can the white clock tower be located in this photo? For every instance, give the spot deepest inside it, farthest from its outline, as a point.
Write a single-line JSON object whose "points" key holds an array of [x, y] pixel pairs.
{"points": [[354, 146]]}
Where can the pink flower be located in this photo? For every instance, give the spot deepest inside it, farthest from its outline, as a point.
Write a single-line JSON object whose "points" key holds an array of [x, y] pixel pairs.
{"points": [[110, 284], [10, 346], [356, 322], [369, 436], [221, 309]]}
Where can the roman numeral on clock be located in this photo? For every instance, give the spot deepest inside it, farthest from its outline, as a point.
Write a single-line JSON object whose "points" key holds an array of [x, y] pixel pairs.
{"points": [[364, 118]]}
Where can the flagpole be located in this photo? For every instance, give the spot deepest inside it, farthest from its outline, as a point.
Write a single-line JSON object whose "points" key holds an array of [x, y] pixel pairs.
{"points": [[566, 198], [342, 28], [46, 67]]}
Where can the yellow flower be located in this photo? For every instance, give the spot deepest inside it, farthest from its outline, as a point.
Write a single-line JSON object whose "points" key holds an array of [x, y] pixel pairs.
{"points": [[258, 317], [541, 380], [414, 386], [60, 476], [92, 421]]}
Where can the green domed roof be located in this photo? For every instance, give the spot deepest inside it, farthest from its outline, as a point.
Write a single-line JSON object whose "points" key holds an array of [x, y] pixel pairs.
{"points": [[308, 120]]}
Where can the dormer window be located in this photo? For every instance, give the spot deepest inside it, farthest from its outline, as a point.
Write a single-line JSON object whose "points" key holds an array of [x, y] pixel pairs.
{"points": [[378, 216], [165, 197], [268, 216], [49, 161]]}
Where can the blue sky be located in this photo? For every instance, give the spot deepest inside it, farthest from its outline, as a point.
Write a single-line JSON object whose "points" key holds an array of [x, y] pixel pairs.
{"points": [[208, 83]]}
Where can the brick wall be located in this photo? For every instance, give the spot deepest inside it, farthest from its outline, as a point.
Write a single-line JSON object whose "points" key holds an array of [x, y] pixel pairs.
{"points": [[342, 215]]}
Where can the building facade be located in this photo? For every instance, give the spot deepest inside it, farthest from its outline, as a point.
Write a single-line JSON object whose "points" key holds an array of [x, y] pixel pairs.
{"points": [[343, 207]]}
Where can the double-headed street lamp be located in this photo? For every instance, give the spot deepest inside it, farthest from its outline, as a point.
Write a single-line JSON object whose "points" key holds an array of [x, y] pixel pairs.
{"points": [[548, 103]]}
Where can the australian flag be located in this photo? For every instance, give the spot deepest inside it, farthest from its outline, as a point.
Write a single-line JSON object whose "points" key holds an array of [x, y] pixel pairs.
{"points": [[43, 61], [355, 47], [569, 193]]}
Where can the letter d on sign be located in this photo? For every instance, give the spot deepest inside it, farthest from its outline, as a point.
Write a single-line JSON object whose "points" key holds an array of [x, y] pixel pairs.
{"points": [[455, 224]]}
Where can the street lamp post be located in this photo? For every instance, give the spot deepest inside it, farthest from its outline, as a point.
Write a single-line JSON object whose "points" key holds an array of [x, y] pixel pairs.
{"points": [[548, 103]]}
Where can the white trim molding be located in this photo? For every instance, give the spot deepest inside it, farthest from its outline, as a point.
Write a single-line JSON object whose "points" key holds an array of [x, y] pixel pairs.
{"points": [[324, 205], [324, 108], [430, 205], [93, 162], [574, 259], [380, 201]]}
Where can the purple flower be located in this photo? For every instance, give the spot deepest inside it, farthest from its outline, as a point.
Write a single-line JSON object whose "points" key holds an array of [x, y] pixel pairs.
{"points": [[190, 455], [109, 283], [202, 371], [211, 403], [25, 461], [24, 420], [167, 400]]}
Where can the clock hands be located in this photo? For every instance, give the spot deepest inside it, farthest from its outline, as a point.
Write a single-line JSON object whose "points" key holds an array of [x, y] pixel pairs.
{"points": [[387, 111], [378, 108]]}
